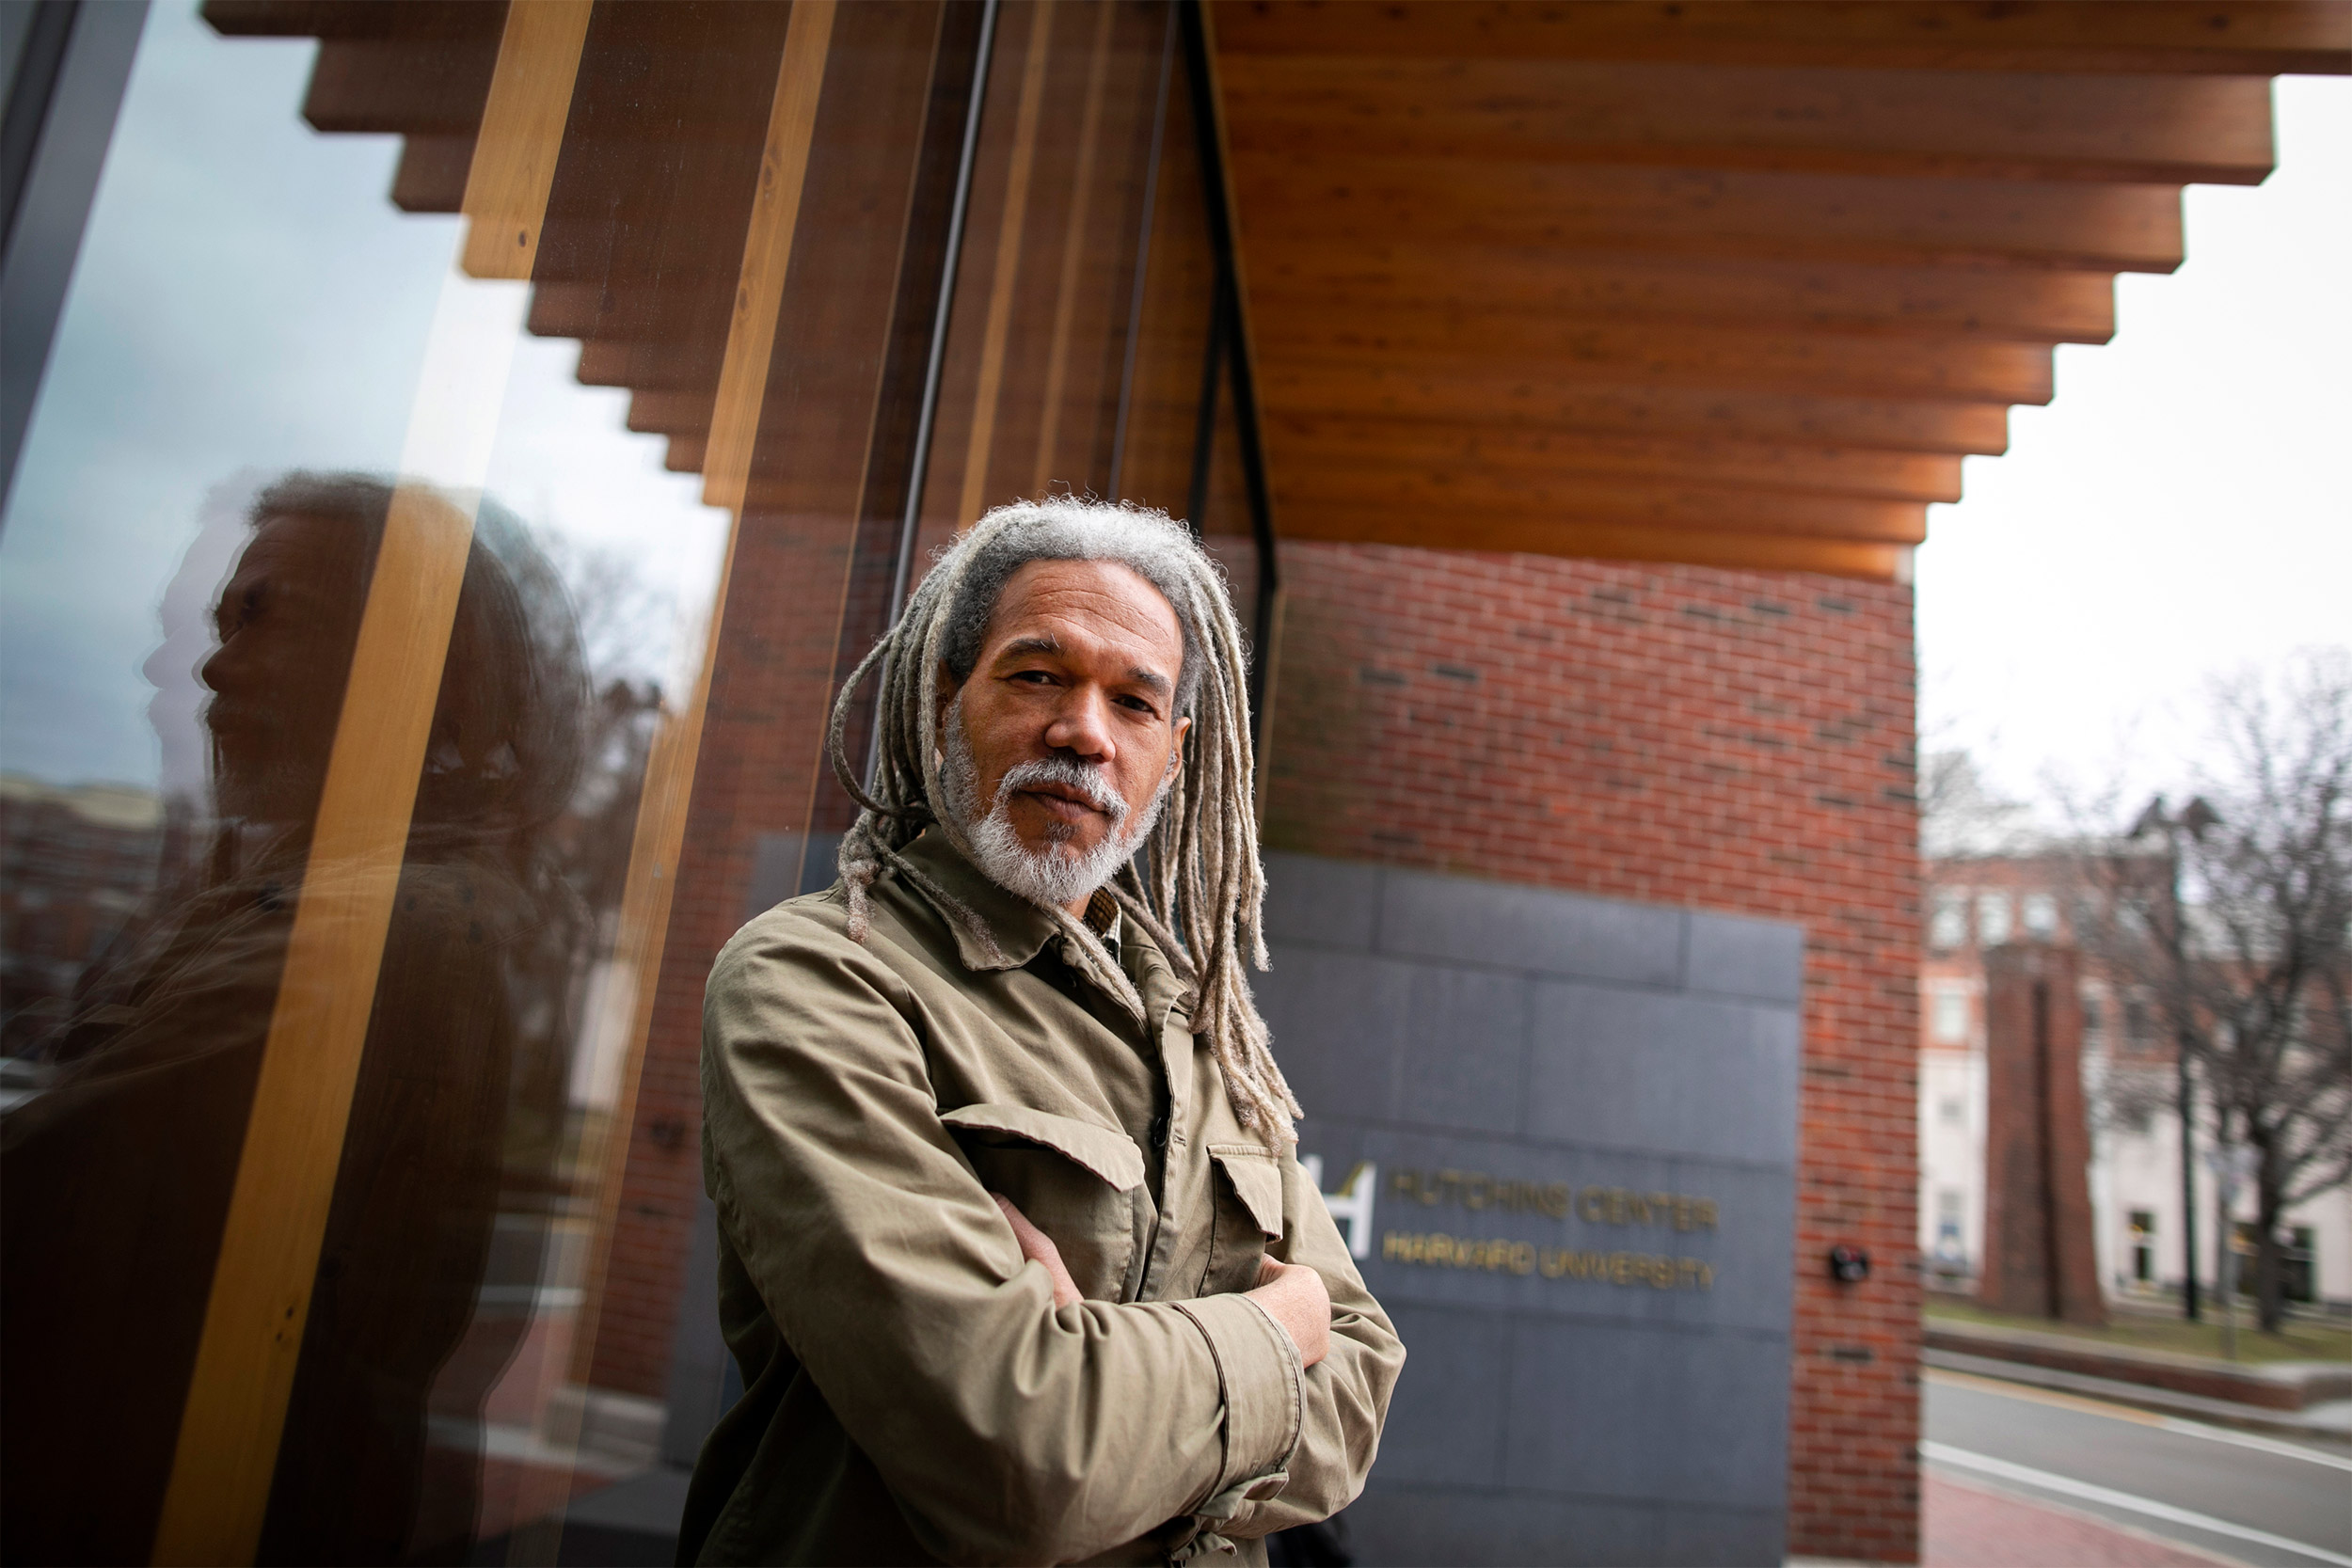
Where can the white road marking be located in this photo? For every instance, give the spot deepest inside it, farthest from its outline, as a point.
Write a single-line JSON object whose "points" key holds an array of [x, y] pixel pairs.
{"points": [[2260, 1445], [1960, 1459]]}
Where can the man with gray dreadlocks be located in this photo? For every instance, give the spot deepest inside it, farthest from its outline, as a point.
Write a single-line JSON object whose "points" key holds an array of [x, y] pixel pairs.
{"points": [[1015, 1255]]}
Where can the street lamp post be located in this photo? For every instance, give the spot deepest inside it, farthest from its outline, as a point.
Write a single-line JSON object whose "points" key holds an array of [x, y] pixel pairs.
{"points": [[2231, 1165], [2196, 816]]}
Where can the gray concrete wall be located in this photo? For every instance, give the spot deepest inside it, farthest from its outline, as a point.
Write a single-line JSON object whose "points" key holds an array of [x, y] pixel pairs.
{"points": [[1596, 1375]]}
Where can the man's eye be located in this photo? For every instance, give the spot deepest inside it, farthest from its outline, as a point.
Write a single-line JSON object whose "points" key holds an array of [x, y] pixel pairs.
{"points": [[1035, 677]]}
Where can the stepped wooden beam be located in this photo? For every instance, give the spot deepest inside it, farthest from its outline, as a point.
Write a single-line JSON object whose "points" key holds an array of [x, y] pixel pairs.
{"points": [[1504, 398], [412, 86], [2150, 130], [641, 311], [1350, 201], [1410, 446], [2225, 38], [1665, 354], [670, 413], [1606, 539], [356, 18], [1487, 492], [1938, 302], [432, 173], [662, 367]]}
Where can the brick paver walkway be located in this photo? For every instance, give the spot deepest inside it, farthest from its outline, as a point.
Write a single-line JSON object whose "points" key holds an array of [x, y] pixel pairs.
{"points": [[1970, 1527]]}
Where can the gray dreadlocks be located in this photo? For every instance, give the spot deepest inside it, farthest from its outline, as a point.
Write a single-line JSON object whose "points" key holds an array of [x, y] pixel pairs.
{"points": [[1195, 884]]}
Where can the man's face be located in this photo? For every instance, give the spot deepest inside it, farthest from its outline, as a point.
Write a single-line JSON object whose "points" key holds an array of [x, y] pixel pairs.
{"points": [[1078, 666], [286, 623]]}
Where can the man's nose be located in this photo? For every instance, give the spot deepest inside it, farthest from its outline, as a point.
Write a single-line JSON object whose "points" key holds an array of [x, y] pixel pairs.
{"points": [[1082, 725], [214, 666]]}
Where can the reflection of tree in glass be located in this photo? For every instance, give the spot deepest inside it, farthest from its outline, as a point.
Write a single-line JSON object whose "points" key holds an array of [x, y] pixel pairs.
{"points": [[117, 1179], [624, 620], [625, 628]]}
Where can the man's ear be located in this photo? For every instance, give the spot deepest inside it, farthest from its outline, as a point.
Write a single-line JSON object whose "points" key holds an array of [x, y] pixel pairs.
{"points": [[949, 687], [1176, 745]]}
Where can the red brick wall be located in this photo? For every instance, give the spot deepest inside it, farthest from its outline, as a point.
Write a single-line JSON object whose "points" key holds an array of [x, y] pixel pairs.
{"points": [[762, 732], [1724, 741]]}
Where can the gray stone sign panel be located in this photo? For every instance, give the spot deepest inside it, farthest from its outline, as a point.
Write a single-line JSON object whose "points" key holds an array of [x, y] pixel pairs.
{"points": [[1561, 1134]]}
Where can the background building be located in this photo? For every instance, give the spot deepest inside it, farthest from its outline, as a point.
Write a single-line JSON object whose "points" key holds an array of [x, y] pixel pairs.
{"points": [[2128, 1072]]}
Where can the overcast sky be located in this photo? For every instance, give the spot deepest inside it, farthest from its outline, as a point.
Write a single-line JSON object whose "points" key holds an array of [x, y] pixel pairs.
{"points": [[248, 301], [2182, 508]]}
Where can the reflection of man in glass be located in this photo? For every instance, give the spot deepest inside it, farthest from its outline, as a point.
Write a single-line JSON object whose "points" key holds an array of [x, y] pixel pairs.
{"points": [[116, 1181]]}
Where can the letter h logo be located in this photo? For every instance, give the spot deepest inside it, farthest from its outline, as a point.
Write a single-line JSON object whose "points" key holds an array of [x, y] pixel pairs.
{"points": [[1352, 1204]]}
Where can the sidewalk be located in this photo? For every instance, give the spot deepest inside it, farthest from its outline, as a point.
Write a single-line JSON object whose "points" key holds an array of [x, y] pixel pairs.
{"points": [[1964, 1526]]}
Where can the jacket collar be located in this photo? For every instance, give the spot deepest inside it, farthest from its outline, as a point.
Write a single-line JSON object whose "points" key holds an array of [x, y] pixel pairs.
{"points": [[995, 928]]}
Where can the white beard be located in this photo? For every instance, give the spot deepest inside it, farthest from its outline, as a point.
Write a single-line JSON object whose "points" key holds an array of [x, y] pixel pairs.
{"points": [[1056, 876]]}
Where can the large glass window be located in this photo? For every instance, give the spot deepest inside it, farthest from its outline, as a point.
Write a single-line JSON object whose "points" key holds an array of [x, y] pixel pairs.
{"points": [[476, 443]]}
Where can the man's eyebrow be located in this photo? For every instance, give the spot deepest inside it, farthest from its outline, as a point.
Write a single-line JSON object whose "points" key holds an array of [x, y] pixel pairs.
{"points": [[1047, 642], [1036, 642]]}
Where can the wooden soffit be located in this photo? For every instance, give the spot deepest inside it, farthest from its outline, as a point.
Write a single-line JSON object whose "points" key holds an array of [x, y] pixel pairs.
{"points": [[1732, 284]]}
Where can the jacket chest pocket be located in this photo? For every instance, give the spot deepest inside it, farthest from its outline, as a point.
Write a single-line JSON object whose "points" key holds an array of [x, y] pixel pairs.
{"points": [[1249, 1211], [1079, 1184]]}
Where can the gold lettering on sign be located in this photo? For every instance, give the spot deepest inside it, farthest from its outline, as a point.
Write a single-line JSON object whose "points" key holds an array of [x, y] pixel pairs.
{"points": [[1595, 1205], [1497, 1256], [1477, 1190]]}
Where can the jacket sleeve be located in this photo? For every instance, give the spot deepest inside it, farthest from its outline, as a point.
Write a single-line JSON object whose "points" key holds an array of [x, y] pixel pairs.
{"points": [[1347, 1392], [1009, 1431]]}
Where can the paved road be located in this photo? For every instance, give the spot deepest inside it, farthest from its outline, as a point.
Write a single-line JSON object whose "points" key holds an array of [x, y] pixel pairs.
{"points": [[2259, 1500]]}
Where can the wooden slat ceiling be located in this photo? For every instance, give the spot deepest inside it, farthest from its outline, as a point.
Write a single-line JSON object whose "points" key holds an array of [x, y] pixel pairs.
{"points": [[1720, 282], [1726, 283]]}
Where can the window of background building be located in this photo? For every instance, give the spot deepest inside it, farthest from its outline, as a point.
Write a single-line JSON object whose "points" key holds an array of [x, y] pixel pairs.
{"points": [[2143, 1240], [1948, 926], [1953, 1110], [2302, 1264], [2041, 913], [1947, 1015], [1951, 1255], [1992, 919], [2301, 1273], [2094, 1020]]}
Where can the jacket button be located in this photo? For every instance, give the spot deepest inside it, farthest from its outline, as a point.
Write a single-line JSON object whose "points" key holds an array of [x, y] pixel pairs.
{"points": [[1159, 1131]]}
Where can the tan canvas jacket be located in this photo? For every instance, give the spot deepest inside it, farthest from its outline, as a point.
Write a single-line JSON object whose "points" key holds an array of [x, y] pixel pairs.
{"points": [[912, 1393]]}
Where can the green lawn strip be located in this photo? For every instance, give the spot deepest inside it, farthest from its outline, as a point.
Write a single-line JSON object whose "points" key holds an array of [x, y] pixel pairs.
{"points": [[2300, 1340]]}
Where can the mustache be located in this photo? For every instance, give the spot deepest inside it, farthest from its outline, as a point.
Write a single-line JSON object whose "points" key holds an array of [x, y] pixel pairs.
{"points": [[1075, 775]]}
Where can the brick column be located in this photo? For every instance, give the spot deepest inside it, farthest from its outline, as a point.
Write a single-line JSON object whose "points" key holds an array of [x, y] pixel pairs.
{"points": [[1729, 741], [2039, 1255]]}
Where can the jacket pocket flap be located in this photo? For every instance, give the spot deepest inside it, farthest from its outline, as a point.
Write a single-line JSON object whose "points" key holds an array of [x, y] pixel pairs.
{"points": [[1257, 1178], [1113, 1156]]}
